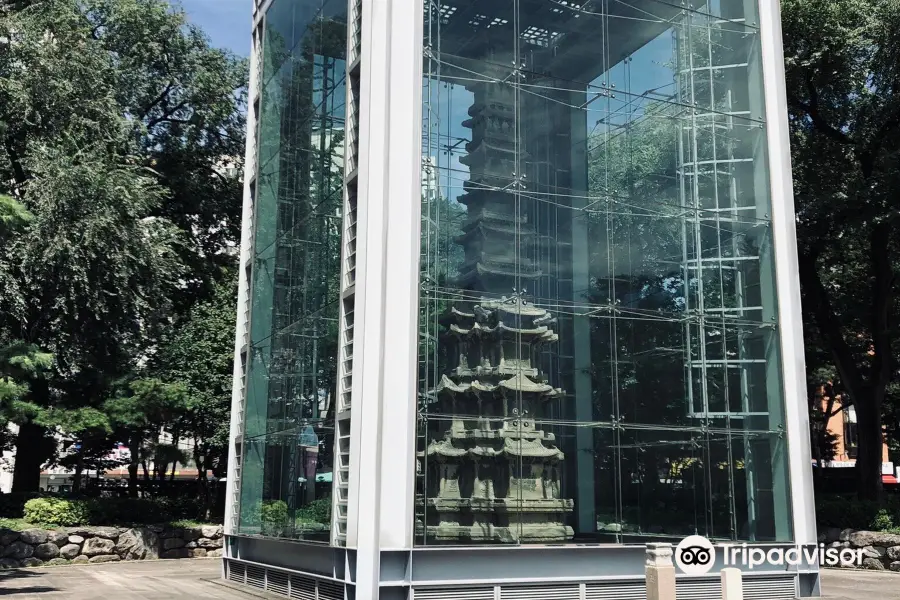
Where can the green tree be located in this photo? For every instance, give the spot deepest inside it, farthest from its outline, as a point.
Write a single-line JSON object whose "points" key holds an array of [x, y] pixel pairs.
{"points": [[841, 59], [115, 119], [139, 411], [199, 355]]}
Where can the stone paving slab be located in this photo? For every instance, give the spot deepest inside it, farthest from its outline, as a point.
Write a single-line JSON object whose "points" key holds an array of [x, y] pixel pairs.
{"points": [[848, 584], [132, 580]]}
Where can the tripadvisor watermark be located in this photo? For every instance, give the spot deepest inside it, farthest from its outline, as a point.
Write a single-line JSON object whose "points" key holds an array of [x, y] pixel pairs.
{"points": [[696, 555]]}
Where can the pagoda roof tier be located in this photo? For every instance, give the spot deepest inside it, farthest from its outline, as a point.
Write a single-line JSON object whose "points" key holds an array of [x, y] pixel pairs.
{"points": [[517, 263], [447, 384], [478, 213], [486, 200], [515, 306], [456, 316], [499, 162], [486, 230], [500, 434], [519, 448], [519, 382], [481, 372], [471, 271], [496, 107], [490, 133], [460, 436], [541, 334], [482, 151], [531, 449], [519, 505], [492, 183], [484, 118]]}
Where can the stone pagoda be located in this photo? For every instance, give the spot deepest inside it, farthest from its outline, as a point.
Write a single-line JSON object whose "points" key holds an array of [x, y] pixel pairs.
{"points": [[492, 474]]}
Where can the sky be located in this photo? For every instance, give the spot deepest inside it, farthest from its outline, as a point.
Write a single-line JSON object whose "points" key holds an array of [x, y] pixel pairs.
{"points": [[226, 22]]}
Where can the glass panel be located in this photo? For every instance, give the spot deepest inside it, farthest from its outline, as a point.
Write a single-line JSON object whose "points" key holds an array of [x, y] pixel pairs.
{"points": [[598, 328], [289, 424]]}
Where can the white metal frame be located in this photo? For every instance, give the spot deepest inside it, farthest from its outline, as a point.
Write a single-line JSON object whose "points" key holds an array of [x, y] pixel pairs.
{"points": [[786, 272], [382, 474]]}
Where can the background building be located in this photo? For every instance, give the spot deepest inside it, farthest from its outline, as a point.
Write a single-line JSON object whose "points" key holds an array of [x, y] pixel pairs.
{"points": [[518, 296]]}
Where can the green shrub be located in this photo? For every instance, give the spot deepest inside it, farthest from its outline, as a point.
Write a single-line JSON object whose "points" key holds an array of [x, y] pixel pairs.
{"points": [[848, 512], [56, 511], [273, 512], [142, 511], [273, 515], [111, 511], [883, 521], [317, 511]]}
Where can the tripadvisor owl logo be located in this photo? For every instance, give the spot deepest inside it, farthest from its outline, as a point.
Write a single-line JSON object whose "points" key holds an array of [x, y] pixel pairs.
{"points": [[695, 555]]}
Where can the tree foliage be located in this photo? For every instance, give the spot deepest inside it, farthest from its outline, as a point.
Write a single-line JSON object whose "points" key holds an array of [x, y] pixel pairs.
{"points": [[120, 130], [200, 355], [842, 60]]}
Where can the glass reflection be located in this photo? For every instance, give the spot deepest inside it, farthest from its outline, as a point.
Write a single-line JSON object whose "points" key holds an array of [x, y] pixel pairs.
{"points": [[598, 327], [288, 436]]}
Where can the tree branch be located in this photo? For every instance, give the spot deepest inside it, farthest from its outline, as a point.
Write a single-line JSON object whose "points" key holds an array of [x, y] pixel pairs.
{"points": [[18, 170], [882, 302], [167, 117], [820, 123], [818, 299], [157, 100]]}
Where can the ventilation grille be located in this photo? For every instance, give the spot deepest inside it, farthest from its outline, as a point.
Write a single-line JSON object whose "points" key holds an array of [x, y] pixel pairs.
{"points": [[303, 588], [770, 588], [482, 593], [256, 577], [355, 30], [342, 483], [353, 108], [755, 588], [277, 582], [235, 483], [282, 584], [236, 572], [619, 590], [558, 592], [699, 589], [350, 236], [330, 591], [346, 366]]}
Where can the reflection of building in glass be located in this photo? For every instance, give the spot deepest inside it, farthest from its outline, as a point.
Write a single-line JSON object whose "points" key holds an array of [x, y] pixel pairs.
{"points": [[513, 266]]}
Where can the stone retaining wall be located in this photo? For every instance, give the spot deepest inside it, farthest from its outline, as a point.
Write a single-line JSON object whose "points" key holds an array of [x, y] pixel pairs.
{"points": [[881, 551], [35, 547]]}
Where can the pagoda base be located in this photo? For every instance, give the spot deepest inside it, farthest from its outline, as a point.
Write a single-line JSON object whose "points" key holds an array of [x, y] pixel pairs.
{"points": [[487, 533]]}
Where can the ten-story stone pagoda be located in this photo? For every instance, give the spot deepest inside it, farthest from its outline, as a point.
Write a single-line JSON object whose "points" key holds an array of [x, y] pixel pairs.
{"points": [[493, 476]]}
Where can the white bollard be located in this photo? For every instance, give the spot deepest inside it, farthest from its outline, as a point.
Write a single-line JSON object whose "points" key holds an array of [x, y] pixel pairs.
{"points": [[660, 572], [732, 584]]}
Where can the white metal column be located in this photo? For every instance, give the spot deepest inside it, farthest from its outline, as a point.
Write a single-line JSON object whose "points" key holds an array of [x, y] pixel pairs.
{"points": [[382, 477], [787, 280]]}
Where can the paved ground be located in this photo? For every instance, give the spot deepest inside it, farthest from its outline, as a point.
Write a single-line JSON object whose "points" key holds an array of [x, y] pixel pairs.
{"points": [[147, 580], [199, 579], [844, 584]]}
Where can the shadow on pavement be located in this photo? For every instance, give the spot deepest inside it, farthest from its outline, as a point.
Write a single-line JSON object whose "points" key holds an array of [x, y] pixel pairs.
{"points": [[10, 577]]}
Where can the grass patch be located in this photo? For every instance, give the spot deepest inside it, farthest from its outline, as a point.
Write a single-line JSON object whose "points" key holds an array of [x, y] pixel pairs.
{"points": [[22, 524], [189, 524]]}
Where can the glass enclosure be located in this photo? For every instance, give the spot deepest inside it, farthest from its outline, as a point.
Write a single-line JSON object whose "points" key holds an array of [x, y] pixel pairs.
{"points": [[288, 439], [598, 339]]}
